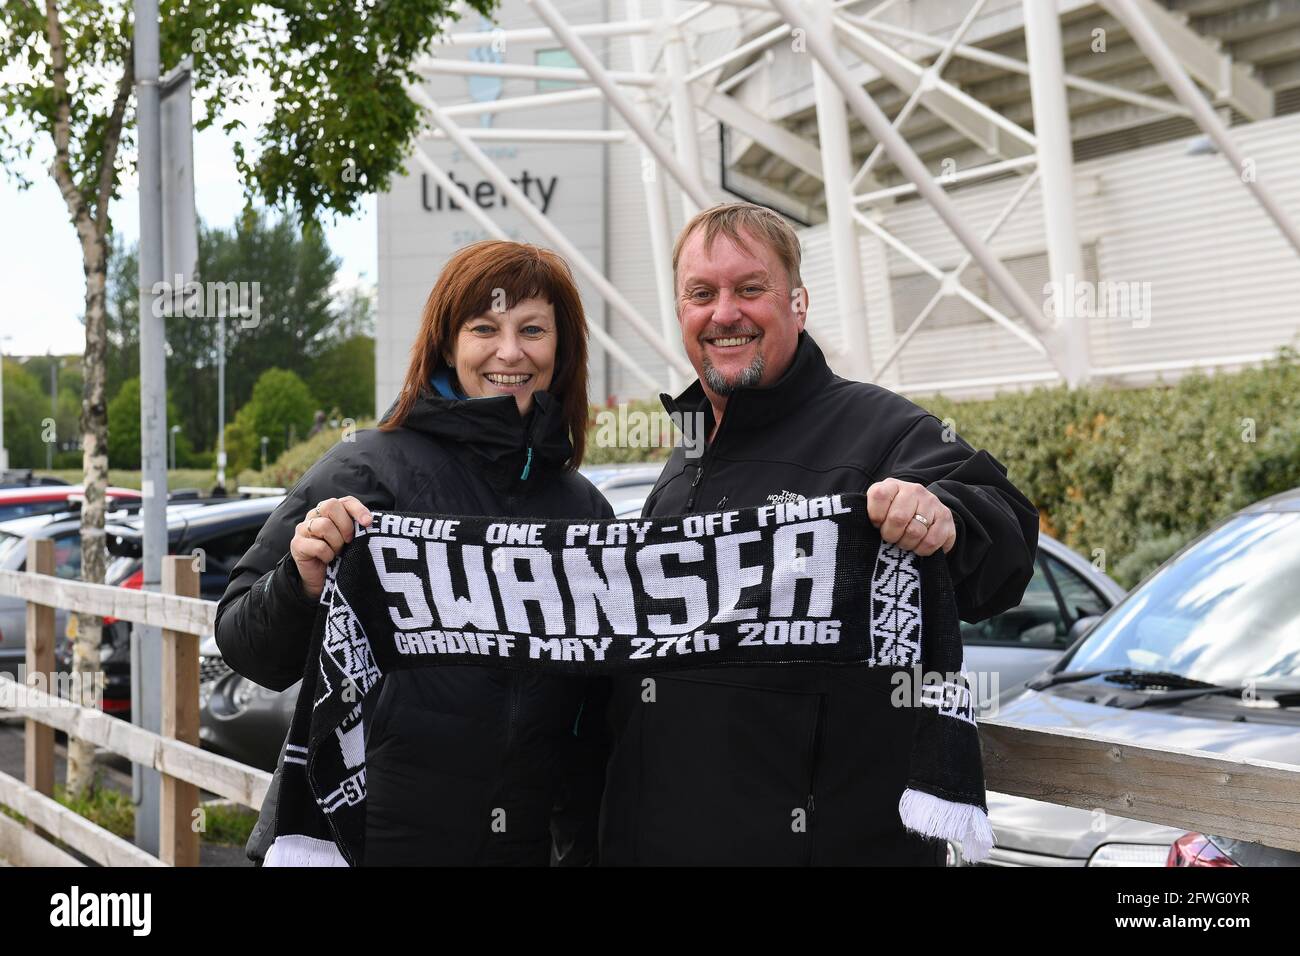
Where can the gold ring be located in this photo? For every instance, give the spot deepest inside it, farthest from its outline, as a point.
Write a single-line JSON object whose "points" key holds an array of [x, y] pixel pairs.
{"points": [[921, 518]]}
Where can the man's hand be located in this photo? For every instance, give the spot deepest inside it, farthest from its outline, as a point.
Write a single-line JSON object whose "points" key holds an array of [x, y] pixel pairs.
{"points": [[891, 505]]}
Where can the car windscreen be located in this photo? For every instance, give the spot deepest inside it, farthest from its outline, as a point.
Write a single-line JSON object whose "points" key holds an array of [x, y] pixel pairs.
{"points": [[1225, 611]]}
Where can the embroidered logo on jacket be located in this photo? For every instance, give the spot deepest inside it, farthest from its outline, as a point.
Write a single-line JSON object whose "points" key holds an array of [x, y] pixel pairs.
{"points": [[781, 497]]}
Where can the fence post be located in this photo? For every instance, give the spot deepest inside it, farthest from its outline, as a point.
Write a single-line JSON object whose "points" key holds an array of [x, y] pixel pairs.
{"points": [[38, 740], [178, 841]]}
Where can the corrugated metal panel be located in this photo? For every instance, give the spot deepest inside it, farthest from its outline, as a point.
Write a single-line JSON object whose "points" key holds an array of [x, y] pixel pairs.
{"points": [[824, 322], [1221, 279], [629, 266]]}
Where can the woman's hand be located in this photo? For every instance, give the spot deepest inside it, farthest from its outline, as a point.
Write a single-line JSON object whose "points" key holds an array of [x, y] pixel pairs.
{"points": [[321, 535]]}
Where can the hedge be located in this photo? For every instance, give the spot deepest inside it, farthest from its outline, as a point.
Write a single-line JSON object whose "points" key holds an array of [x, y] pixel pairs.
{"points": [[1123, 476], [1127, 476]]}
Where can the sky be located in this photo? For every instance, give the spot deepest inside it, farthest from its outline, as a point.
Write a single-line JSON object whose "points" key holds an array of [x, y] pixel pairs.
{"points": [[40, 257]]}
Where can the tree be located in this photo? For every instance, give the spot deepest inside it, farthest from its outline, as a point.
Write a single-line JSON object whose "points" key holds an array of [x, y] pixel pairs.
{"points": [[356, 313], [339, 128], [281, 410], [25, 407], [124, 428], [344, 377], [295, 270], [301, 322], [241, 441], [122, 317]]}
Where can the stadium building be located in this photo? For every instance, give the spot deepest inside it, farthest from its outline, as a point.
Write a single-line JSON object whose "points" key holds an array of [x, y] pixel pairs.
{"points": [[1104, 191]]}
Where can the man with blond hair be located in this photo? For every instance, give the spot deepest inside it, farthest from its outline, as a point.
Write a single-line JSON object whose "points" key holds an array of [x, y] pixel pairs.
{"points": [[802, 764]]}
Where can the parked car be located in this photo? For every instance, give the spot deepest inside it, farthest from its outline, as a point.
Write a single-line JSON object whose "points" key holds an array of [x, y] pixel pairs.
{"points": [[625, 487], [46, 499], [1066, 596], [216, 533], [64, 529], [1202, 655]]}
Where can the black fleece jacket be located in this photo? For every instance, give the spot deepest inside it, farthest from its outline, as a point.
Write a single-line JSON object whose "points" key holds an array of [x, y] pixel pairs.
{"points": [[718, 765]]}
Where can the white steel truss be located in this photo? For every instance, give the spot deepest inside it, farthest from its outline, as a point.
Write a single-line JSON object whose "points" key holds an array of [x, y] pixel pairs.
{"points": [[675, 86]]}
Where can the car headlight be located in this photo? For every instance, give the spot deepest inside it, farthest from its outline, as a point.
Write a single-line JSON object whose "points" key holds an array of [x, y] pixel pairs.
{"points": [[1129, 854]]}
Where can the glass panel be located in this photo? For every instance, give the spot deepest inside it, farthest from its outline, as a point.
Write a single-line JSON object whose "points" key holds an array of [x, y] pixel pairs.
{"points": [[1036, 622], [1080, 598], [1227, 611]]}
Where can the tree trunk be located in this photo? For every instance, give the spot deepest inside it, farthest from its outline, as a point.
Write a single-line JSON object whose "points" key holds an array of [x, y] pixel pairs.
{"points": [[92, 227], [94, 456]]}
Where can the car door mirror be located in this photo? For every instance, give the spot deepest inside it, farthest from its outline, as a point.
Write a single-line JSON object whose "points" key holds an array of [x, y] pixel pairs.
{"points": [[1082, 626]]}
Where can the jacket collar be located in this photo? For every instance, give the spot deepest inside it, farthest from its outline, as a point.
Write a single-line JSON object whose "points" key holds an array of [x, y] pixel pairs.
{"points": [[508, 449], [755, 406]]}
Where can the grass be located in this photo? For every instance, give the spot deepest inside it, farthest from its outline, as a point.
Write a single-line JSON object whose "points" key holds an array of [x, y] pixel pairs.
{"points": [[201, 478], [105, 807], [228, 825], [224, 824]]}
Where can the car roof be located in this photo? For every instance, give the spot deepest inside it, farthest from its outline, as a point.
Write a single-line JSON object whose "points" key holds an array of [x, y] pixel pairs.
{"points": [[1081, 566], [56, 522], [29, 524], [59, 492], [1286, 501], [189, 519]]}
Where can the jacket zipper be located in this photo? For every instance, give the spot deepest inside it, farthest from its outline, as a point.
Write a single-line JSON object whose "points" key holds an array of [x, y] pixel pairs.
{"points": [[699, 474], [812, 774], [704, 460]]}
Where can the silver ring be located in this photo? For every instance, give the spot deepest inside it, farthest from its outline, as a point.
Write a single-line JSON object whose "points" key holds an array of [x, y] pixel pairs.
{"points": [[921, 518]]}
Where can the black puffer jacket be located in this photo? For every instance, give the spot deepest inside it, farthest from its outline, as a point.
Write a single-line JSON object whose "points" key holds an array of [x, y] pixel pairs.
{"points": [[717, 764], [461, 762]]}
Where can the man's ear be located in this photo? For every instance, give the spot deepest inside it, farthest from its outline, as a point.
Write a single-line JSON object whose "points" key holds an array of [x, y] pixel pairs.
{"points": [[799, 305]]}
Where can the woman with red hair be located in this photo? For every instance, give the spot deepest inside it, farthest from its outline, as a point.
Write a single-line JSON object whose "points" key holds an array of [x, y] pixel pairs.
{"points": [[462, 763]]}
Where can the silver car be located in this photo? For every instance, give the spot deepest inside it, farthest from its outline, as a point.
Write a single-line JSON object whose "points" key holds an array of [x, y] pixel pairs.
{"points": [[1203, 655]]}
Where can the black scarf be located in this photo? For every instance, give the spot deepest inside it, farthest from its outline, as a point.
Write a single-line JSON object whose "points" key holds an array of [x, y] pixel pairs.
{"points": [[797, 582]]}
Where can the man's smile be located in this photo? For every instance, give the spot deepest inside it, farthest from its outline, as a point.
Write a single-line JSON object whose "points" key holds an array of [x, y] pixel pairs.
{"points": [[732, 341]]}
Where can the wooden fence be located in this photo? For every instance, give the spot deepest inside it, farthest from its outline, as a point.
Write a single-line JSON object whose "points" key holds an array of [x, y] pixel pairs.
{"points": [[174, 753], [1241, 798]]}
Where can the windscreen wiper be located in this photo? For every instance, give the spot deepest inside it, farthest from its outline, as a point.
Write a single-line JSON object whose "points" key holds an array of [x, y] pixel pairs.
{"points": [[1126, 675], [1278, 697]]}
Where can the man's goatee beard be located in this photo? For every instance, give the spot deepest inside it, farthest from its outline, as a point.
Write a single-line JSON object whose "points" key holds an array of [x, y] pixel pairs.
{"points": [[747, 377]]}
